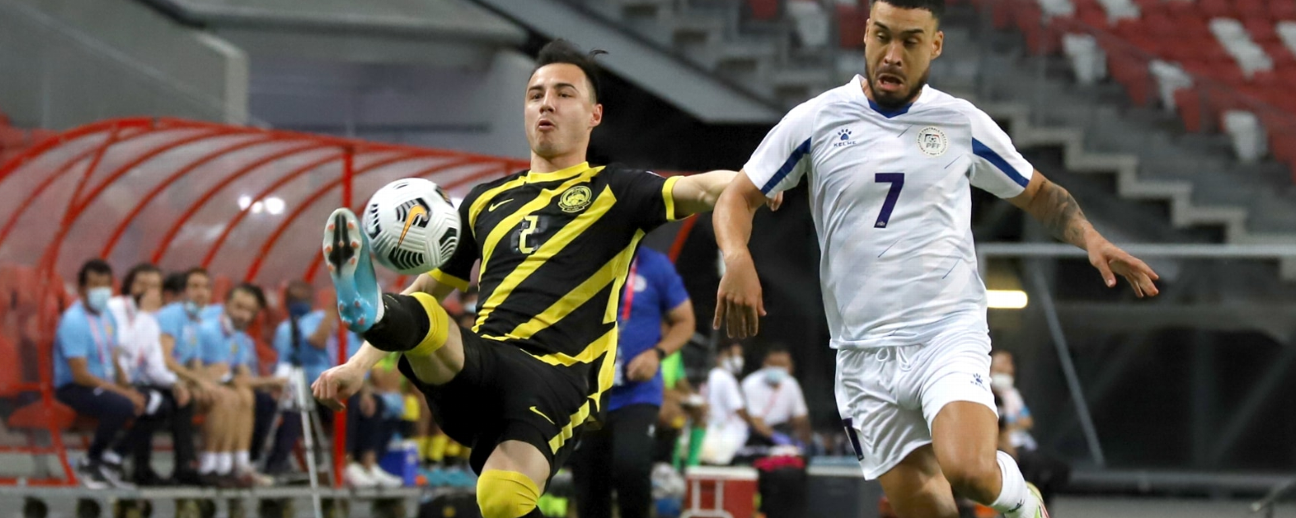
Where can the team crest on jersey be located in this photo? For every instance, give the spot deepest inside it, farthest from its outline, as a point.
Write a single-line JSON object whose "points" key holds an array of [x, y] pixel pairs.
{"points": [[576, 199], [932, 141]]}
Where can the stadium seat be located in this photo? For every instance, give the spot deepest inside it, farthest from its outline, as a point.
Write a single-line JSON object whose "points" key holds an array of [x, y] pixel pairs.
{"points": [[1189, 107], [764, 9]]}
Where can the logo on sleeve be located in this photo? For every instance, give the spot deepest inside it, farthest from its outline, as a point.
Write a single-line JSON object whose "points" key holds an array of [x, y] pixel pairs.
{"points": [[843, 138], [932, 141]]}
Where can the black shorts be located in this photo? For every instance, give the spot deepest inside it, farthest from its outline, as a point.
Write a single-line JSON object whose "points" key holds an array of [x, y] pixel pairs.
{"points": [[505, 394]]}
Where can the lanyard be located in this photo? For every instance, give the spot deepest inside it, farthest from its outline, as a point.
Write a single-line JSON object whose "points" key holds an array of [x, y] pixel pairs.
{"points": [[227, 329], [99, 336], [773, 398], [629, 291]]}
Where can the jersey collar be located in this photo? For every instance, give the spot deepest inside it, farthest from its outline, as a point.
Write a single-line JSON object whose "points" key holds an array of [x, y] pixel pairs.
{"points": [[888, 113], [561, 174]]}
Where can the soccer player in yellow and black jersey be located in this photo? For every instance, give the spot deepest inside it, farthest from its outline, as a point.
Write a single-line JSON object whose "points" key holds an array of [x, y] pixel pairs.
{"points": [[555, 245]]}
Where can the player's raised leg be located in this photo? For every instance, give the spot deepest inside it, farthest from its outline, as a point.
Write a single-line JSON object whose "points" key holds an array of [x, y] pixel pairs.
{"points": [[413, 324], [964, 437], [512, 481], [916, 488]]}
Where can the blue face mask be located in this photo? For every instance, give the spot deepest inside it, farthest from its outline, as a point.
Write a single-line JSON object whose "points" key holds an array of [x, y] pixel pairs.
{"points": [[97, 299], [192, 308], [298, 309], [775, 375]]}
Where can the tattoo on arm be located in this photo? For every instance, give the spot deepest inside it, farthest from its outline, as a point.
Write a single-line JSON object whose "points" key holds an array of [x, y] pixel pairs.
{"points": [[1060, 214]]}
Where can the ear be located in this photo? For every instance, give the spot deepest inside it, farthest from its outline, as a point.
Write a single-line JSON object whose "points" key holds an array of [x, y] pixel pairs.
{"points": [[938, 44], [596, 116]]}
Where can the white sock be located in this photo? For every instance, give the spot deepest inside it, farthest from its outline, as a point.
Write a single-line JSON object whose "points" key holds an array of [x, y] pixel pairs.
{"points": [[111, 457], [224, 463], [207, 462], [242, 460], [1015, 500]]}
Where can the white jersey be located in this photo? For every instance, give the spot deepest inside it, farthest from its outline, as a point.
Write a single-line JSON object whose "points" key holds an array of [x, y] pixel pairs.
{"points": [[890, 197]]}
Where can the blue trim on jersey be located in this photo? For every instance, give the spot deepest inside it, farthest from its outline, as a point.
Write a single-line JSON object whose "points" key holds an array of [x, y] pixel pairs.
{"points": [[890, 114], [980, 149], [788, 164]]}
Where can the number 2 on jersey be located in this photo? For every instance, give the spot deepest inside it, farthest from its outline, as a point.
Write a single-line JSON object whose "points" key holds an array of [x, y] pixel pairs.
{"points": [[897, 182], [529, 226]]}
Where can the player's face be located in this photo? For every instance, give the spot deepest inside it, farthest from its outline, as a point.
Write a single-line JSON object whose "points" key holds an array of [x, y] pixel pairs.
{"points": [[241, 307], [1002, 364], [899, 46], [144, 282], [560, 110], [198, 290]]}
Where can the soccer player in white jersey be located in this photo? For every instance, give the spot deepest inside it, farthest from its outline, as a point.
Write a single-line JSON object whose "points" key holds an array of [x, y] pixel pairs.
{"points": [[889, 162]]}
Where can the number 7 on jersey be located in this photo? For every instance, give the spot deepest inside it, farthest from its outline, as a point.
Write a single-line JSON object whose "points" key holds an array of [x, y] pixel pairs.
{"points": [[897, 182]]}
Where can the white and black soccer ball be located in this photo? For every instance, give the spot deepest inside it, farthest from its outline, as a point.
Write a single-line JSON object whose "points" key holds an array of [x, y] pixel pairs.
{"points": [[412, 226]]}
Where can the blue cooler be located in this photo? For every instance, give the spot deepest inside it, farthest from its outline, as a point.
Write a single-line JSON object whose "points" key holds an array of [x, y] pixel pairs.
{"points": [[402, 460]]}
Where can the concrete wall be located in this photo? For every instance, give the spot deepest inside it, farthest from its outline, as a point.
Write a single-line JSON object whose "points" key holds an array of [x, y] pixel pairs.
{"points": [[69, 62]]}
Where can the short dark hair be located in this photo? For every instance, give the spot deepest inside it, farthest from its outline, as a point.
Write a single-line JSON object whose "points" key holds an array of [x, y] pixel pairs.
{"points": [[298, 285], [97, 266], [197, 270], [563, 51], [937, 7], [251, 289], [135, 271], [174, 282], [776, 348]]}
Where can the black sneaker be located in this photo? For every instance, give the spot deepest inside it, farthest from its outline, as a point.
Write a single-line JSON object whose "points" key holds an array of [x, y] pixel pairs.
{"points": [[146, 477], [91, 475], [186, 478], [113, 474]]}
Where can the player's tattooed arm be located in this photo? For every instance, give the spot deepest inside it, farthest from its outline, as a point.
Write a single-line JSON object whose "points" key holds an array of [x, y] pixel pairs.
{"points": [[1059, 212]]}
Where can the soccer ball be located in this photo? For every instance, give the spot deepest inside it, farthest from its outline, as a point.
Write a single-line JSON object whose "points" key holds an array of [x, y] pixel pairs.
{"points": [[412, 226]]}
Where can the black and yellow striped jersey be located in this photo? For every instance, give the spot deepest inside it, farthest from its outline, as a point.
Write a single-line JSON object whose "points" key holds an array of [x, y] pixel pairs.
{"points": [[555, 249]]}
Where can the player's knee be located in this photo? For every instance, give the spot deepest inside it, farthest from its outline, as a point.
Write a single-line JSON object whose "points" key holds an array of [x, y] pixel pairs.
{"points": [[506, 494], [972, 477]]}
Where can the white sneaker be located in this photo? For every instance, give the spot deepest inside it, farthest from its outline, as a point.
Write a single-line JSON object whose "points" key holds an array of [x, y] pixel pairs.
{"points": [[385, 479], [359, 477]]}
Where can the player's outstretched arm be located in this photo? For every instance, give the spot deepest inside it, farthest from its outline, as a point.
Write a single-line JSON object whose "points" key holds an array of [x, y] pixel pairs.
{"points": [[738, 301], [1054, 207], [698, 193]]}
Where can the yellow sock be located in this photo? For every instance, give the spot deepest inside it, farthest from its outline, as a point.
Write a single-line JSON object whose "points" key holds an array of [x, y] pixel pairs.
{"points": [[506, 494], [438, 327]]}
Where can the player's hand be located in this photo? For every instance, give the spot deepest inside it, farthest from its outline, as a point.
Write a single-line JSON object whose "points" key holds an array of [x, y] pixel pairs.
{"points": [[644, 366], [137, 400], [738, 302], [775, 202], [1111, 261], [336, 385]]}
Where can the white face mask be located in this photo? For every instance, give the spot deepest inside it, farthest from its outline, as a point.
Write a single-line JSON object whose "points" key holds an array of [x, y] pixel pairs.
{"points": [[1001, 381], [733, 364], [97, 298]]}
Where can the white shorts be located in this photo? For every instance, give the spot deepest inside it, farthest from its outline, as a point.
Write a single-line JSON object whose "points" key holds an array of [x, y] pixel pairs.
{"points": [[889, 396]]}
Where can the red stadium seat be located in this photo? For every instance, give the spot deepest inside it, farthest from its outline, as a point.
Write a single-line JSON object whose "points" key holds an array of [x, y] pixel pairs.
{"points": [[1261, 28], [764, 9], [1216, 8], [1282, 10], [1189, 107], [1251, 8]]}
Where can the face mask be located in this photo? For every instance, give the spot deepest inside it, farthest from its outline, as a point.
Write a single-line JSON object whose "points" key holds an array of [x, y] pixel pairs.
{"points": [[298, 309], [1001, 381], [471, 307], [733, 364], [97, 298], [191, 308], [775, 375]]}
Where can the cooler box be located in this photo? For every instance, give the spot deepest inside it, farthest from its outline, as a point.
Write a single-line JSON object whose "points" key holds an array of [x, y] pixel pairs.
{"points": [[402, 460], [719, 492], [837, 488]]}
